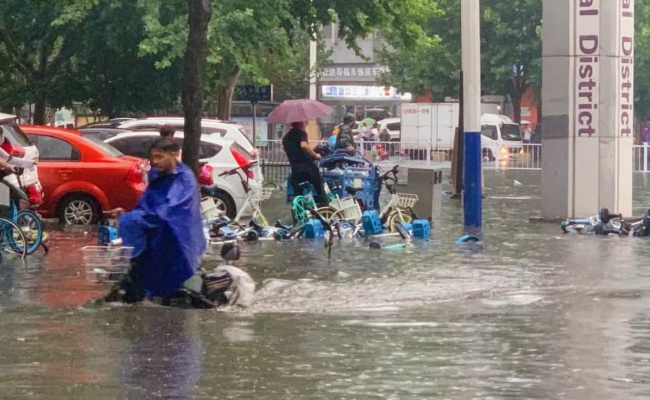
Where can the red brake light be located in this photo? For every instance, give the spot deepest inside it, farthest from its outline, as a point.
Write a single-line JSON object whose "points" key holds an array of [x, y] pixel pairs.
{"points": [[242, 162], [136, 174], [14, 150]]}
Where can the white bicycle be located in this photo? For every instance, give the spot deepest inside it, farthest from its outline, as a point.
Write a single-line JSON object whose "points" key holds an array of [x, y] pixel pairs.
{"points": [[400, 207], [254, 198]]}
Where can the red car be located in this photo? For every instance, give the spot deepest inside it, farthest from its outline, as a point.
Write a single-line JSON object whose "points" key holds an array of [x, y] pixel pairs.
{"points": [[82, 177]]}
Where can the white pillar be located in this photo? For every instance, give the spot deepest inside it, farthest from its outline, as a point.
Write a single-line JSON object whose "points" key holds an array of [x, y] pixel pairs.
{"points": [[587, 75], [471, 64], [312, 65], [616, 105], [471, 59]]}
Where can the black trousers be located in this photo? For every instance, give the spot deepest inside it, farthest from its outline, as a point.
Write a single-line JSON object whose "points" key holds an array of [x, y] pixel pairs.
{"points": [[312, 175]]}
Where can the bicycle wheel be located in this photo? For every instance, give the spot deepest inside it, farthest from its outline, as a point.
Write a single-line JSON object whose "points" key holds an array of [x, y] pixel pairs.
{"points": [[12, 239], [31, 226], [398, 215], [326, 212]]}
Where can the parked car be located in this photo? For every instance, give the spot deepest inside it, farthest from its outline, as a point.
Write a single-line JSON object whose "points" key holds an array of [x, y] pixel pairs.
{"points": [[221, 154], [393, 126], [111, 123], [82, 177], [17, 144], [101, 133], [221, 129]]}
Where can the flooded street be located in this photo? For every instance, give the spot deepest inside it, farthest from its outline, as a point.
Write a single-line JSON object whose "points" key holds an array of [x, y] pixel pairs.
{"points": [[534, 314]]}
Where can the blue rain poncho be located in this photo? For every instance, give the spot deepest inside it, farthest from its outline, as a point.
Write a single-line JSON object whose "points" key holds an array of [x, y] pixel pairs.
{"points": [[166, 232]]}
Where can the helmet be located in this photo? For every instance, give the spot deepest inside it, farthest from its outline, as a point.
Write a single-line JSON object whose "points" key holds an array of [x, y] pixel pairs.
{"points": [[349, 118]]}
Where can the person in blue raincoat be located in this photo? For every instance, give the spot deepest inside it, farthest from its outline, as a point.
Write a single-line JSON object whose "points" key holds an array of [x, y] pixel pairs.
{"points": [[165, 228]]}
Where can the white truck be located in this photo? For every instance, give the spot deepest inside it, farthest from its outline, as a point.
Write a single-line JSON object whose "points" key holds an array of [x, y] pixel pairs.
{"points": [[433, 125]]}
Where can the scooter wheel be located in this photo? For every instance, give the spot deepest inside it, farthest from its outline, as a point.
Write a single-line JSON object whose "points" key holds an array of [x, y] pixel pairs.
{"points": [[252, 236]]}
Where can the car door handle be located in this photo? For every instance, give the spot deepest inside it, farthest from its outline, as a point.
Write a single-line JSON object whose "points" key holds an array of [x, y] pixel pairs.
{"points": [[64, 171]]}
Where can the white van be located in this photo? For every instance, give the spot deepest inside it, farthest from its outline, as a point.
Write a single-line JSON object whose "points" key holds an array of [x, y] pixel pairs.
{"points": [[436, 124], [500, 138]]}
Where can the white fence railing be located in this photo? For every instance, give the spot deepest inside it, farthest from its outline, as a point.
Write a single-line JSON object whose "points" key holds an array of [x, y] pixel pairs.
{"points": [[528, 156], [641, 157]]}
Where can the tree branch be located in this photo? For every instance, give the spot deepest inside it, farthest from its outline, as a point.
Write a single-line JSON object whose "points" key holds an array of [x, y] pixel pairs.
{"points": [[19, 59]]}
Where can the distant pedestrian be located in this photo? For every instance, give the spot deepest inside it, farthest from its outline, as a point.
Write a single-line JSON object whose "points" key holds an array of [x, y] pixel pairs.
{"points": [[345, 138], [527, 133], [363, 131], [167, 131]]}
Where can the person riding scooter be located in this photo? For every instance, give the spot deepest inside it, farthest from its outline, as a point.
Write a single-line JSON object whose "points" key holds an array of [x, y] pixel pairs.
{"points": [[165, 229]]}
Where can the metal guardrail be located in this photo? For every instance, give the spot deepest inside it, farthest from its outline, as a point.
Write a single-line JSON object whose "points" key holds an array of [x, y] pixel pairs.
{"points": [[275, 164]]}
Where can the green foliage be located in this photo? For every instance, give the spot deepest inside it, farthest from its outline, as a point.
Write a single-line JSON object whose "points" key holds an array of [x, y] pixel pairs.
{"points": [[642, 61], [37, 59], [511, 35], [115, 76]]}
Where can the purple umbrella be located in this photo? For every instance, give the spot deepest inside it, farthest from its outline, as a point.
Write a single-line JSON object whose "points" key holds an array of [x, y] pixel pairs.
{"points": [[298, 110]]}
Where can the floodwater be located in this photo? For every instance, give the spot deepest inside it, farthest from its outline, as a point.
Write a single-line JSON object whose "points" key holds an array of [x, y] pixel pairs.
{"points": [[533, 314]]}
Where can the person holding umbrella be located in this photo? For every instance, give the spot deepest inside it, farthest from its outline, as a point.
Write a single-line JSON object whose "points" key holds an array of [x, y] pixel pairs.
{"points": [[302, 160], [296, 144]]}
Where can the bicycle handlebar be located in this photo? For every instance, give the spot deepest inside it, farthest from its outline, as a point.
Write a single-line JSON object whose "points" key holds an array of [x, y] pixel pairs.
{"points": [[234, 170], [393, 171]]}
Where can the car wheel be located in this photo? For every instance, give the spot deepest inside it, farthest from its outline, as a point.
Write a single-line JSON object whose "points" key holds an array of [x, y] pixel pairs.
{"points": [[225, 204], [79, 209]]}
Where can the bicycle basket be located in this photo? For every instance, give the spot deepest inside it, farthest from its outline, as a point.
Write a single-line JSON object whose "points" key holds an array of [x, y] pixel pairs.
{"points": [[106, 264], [263, 194], [406, 199]]}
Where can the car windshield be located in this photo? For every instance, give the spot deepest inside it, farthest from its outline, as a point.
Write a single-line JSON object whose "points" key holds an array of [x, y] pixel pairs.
{"points": [[106, 147], [510, 132], [16, 133]]}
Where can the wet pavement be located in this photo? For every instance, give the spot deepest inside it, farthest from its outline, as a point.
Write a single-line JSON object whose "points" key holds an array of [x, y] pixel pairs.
{"points": [[534, 314]]}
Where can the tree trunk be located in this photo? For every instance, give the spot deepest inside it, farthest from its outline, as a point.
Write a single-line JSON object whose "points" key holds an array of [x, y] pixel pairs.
{"points": [[516, 109], [516, 88], [224, 96], [39, 111], [200, 12]]}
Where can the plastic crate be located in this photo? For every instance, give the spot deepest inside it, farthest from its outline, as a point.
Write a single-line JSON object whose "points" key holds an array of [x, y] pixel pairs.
{"points": [[348, 207], [314, 229], [105, 235], [372, 223], [106, 264], [421, 228]]}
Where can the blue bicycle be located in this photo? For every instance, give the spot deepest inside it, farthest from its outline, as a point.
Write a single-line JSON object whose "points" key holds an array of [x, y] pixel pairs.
{"points": [[27, 220]]}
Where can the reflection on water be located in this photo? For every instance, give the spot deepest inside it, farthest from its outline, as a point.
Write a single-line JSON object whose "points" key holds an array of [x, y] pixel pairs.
{"points": [[161, 363], [533, 315]]}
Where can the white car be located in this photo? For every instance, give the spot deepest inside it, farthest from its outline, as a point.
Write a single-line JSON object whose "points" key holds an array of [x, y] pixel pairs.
{"points": [[393, 125], [221, 154], [18, 145], [208, 127]]}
